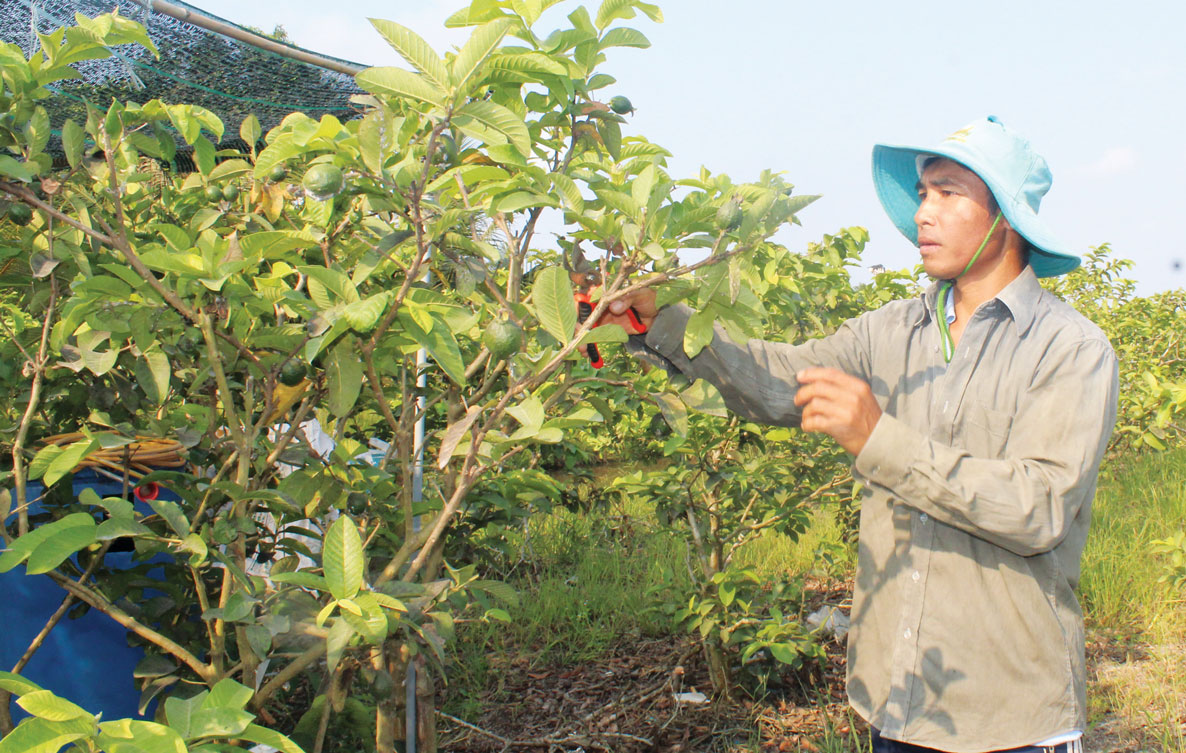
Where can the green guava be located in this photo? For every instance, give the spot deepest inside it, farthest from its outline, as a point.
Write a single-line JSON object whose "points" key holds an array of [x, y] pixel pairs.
{"points": [[503, 338]]}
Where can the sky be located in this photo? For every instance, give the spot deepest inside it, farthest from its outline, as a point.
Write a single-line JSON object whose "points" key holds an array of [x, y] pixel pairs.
{"points": [[806, 88]]}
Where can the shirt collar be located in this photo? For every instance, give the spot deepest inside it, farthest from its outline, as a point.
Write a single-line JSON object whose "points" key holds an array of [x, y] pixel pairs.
{"points": [[1020, 297]]}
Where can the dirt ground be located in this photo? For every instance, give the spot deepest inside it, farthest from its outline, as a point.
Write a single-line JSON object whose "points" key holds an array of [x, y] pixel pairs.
{"points": [[630, 701]]}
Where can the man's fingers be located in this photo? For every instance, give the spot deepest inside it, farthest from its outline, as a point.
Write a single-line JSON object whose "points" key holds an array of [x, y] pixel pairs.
{"points": [[820, 374], [835, 392], [643, 303]]}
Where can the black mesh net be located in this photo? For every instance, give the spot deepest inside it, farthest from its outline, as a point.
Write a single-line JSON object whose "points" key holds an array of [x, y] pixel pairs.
{"points": [[226, 76]]}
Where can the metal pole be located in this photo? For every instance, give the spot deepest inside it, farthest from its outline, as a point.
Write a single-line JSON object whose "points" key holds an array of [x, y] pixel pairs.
{"points": [[247, 37], [417, 496]]}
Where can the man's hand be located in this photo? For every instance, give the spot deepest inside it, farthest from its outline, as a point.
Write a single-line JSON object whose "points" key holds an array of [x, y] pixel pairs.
{"points": [[643, 303], [839, 405]]}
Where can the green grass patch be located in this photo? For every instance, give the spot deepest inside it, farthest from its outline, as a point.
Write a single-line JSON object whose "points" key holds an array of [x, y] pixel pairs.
{"points": [[1139, 622], [1136, 503]]}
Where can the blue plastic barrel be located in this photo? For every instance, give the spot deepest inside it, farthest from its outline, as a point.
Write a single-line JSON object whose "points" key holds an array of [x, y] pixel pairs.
{"points": [[87, 660]]}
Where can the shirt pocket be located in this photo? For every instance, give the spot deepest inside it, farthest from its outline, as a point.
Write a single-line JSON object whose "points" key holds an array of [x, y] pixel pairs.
{"points": [[984, 431]]}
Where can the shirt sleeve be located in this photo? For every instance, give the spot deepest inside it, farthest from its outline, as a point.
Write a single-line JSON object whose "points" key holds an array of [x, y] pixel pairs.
{"points": [[1026, 501], [757, 379]]}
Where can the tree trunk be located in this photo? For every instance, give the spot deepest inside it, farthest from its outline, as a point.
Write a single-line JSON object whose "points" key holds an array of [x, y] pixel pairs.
{"points": [[426, 721], [718, 669]]}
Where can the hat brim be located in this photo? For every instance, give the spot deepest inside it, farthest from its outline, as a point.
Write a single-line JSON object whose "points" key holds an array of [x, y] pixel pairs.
{"points": [[895, 178]]}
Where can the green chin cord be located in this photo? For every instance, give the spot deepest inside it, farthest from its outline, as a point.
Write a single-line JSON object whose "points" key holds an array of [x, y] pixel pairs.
{"points": [[944, 291]]}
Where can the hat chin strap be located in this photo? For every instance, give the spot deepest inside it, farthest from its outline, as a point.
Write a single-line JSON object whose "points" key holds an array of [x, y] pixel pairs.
{"points": [[945, 288]]}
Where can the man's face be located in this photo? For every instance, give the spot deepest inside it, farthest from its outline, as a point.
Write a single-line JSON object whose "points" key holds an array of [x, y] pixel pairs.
{"points": [[953, 219]]}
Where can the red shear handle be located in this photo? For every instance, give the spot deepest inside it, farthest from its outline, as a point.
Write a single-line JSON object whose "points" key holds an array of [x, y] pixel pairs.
{"points": [[584, 309], [639, 327]]}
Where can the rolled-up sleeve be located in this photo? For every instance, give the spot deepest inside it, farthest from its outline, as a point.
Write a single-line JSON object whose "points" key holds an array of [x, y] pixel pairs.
{"points": [[1026, 500]]}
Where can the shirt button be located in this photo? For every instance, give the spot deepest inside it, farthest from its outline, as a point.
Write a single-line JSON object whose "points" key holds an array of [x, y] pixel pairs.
{"points": [[923, 518], [915, 576], [907, 634]]}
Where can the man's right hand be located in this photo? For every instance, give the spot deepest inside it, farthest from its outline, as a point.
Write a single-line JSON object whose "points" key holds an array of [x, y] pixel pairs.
{"points": [[643, 303]]}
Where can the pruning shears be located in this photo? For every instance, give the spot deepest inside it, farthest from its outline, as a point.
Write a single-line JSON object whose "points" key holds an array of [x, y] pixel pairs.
{"points": [[584, 282]]}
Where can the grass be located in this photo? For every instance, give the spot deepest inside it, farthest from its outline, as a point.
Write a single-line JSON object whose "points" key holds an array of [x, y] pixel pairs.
{"points": [[585, 581], [1141, 621]]}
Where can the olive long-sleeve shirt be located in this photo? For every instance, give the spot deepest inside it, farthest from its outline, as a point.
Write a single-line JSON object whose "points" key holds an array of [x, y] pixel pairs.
{"points": [[978, 480]]}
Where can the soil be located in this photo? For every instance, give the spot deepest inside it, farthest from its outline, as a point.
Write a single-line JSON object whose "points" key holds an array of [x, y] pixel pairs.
{"points": [[628, 701], [637, 698]]}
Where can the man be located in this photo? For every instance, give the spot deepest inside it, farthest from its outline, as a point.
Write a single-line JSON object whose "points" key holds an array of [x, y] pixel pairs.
{"points": [[977, 416]]}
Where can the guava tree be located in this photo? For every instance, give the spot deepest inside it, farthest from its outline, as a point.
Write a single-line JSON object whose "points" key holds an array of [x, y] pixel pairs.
{"points": [[272, 331]]}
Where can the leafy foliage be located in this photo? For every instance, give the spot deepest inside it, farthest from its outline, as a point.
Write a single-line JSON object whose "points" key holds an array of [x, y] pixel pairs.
{"points": [[272, 330]]}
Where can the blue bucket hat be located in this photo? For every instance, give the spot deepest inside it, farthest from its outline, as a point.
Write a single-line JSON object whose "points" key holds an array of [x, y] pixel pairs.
{"points": [[1017, 176]]}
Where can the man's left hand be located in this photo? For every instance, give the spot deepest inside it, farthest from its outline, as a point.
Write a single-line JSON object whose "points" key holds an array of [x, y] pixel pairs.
{"points": [[839, 405]]}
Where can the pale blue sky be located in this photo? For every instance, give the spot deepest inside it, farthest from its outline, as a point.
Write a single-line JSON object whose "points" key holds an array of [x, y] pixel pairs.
{"points": [[808, 87]]}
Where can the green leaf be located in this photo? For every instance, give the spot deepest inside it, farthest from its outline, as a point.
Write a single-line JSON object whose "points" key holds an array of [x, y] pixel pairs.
{"points": [[204, 155], [568, 189], [482, 43], [496, 118], [362, 316], [611, 136], [27, 545], [376, 139], [154, 665], [727, 592], [606, 333], [43, 736], [14, 169], [230, 168], [412, 47], [249, 130], [40, 463], [438, 341], [401, 83], [551, 297], [37, 131], [67, 461], [785, 654], [152, 374], [344, 373], [72, 141], [271, 738], [454, 434], [704, 398], [134, 736], [172, 514], [504, 592], [519, 200], [799, 202], [529, 413], [302, 579], [673, 411], [45, 705], [342, 558], [228, 694], [624, 37], [340, 636], [67, 536], [16, 684], [698, 333]]}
